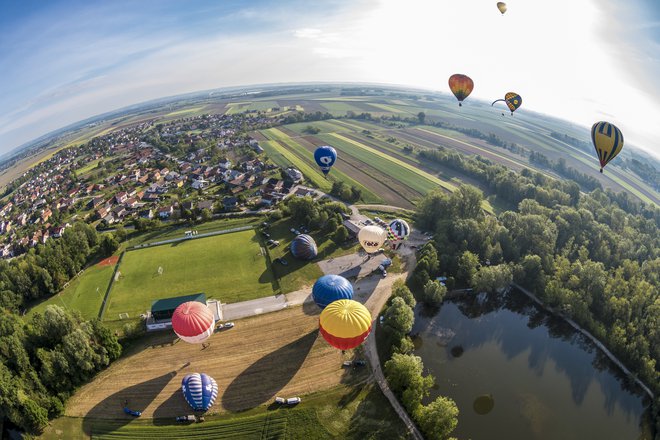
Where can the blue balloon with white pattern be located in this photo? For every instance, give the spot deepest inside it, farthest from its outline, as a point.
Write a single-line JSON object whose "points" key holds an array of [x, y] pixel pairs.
{"points": [[200, 391], [325, 157]]}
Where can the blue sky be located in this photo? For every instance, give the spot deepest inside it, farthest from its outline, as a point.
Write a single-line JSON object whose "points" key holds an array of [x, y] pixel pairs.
{"points": [[582, 60]]}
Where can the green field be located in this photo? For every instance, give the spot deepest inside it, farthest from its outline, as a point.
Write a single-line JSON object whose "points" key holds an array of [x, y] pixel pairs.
{"points": [[345, 412], [285, 158], [84, 294], [229, 267]]}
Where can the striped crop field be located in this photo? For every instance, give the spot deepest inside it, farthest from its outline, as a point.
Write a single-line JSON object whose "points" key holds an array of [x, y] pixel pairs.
{"points": [[285, 158]]}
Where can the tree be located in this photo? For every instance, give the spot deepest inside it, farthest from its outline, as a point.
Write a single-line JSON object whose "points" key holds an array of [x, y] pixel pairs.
{"points": [[421, 117], [438, 419], [491, 278], [433, 293], [400, 290], [399, 317], [341, 235], [404, 375], [206, 215], [468, 264], [108, 245]]}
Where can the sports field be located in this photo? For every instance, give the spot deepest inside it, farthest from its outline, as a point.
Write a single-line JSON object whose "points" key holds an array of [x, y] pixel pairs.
{"points": [[84, 294], [230, 267]]}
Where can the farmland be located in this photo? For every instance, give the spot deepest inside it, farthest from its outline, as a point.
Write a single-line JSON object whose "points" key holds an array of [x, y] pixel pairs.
{"points": [[229, 267]]}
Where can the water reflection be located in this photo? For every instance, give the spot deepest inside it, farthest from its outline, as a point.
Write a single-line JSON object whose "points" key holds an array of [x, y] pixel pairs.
{"points": [[549, 380]]}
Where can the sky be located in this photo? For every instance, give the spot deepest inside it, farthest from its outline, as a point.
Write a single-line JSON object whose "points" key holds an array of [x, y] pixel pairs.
{"points": [[580, 60]]}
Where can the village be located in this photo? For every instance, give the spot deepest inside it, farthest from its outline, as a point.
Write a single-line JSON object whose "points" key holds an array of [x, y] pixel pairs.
{"points": [[190, 168]]}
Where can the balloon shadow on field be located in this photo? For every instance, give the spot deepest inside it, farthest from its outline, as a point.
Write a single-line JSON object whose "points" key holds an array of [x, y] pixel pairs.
{"points": [[173, 406], [263, 379], [309, 307], [108, 415]]}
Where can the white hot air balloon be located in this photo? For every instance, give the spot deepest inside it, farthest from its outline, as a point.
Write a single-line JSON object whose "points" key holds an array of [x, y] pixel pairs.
{"points": [[372, 238]]}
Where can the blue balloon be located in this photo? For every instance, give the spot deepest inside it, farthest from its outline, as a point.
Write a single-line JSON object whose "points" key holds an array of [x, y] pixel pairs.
{"points": [[200, 391], [325, 157], [304, 247], [330, 288]]}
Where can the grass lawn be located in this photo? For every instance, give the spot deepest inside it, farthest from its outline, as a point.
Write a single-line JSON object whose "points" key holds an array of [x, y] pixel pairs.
{"points": [[84, 294], [177, 231], [298, 273], [228, 267], [348, 412]]}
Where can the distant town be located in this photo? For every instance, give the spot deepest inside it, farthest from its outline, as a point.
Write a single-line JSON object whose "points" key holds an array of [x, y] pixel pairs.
{"points": [[190, 168]]}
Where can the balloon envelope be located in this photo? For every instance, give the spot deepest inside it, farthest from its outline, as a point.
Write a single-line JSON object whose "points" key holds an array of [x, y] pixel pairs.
{"points": [[502, 7], [461, 86], [330, 288], [512, 100], [372, 238], [345, 324], [193, 322], [325, 157], [607, 140], [200, 391], [304, 247], [398, 229]]}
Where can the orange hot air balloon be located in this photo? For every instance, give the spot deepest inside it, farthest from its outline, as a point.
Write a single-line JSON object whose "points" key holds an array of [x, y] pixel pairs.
{"points": [[461, 86]]}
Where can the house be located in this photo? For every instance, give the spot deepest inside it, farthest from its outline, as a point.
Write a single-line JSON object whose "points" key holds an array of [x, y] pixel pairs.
{"points": [[294, 174], [205, 204], [353, 229], [131, 203], [200, 183], [121, 197], [147, 213], [189, 205], [119, 212], [230, 202], [95, 202], [166, 211], [225, 164]]}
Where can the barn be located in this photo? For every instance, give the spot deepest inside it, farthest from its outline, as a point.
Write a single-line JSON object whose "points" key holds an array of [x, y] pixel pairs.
{"points": [[160, 315]]}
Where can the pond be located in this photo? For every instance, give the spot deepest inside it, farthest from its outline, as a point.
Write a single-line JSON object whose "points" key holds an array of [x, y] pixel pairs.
{"points": [[518, 372]]}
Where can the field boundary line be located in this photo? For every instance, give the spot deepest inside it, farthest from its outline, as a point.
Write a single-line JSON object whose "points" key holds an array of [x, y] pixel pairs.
{"points": [[107, 291]]}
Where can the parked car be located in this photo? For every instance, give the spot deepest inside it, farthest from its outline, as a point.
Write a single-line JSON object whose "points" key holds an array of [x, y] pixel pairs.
{"points": [[219, 326], [188, 418], [293, 400], [282, 261], [265, 234], [265, 224], [377, 219], [229, 325], [276, 243], [130, 412], [293, 230], [270, 242], [359, 363], [347, 363], [280, 400]]}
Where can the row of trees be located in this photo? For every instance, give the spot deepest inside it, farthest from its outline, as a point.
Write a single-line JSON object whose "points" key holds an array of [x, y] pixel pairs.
{"points": [[404, 371], [46, 268]]}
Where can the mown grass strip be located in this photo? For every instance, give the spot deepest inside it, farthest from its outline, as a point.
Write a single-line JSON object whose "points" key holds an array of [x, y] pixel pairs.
{"points": [[400, 168]]}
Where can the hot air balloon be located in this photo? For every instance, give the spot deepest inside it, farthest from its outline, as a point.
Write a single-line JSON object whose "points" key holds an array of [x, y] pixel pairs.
{"points": [[331, 288], [304, 247], [502, 7], [193, 322], [200, 391], [608, 141], [372, 238], [345, 324], [512, 100], [325, 157], [461, 86], [398, 230]]}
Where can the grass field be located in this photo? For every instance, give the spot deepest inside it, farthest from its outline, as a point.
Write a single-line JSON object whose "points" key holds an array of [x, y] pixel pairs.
{"points": [[346, 411], [177, 231], [285, 158], [228, 267], [84, 294]]}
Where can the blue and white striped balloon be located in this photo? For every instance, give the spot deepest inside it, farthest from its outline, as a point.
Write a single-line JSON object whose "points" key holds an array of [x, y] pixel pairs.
{"points": [[200, 391]]}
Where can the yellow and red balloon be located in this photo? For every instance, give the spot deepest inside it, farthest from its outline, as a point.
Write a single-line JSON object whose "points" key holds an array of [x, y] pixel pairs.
{"points": [[461, 86], [345, 324]]}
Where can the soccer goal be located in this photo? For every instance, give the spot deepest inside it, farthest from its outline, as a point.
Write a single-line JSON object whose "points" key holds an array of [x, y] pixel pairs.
{"points": [[123, 316], [160, 270], [117, 275]]}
